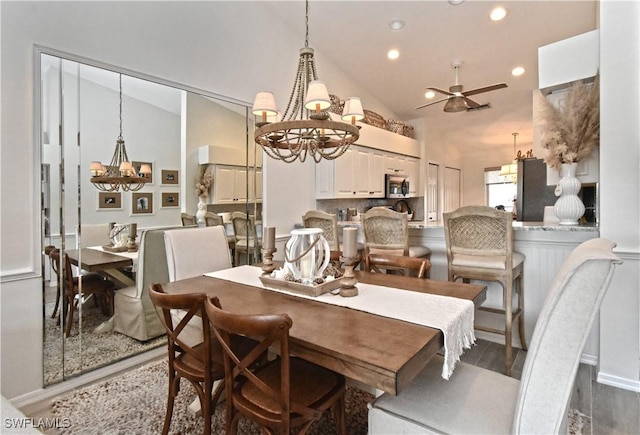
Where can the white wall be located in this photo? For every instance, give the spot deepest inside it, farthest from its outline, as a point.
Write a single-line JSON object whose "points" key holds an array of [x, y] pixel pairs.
{"points": [[620, 190], [221, 47]]}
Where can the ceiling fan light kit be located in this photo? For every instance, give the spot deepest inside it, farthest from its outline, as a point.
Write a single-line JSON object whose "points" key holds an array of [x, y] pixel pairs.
{"points": [[457, 100]]}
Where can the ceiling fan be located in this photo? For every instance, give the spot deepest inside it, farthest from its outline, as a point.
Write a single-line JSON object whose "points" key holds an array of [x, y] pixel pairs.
{"points": [[458, 100]]}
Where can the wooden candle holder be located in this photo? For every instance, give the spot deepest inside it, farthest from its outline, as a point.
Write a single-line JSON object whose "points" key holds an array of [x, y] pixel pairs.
{"points": [[267, 260], [348, 281]]}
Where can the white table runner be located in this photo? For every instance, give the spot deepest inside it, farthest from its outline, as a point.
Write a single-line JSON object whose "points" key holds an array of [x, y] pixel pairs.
{"points": [[453, 316]]}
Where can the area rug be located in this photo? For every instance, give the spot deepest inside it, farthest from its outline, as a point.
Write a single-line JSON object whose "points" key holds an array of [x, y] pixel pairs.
{"points": [[135, 403], [88, 351]]}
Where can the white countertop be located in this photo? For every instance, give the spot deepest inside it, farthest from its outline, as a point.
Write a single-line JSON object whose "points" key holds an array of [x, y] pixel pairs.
{"points": [[517, 226]]}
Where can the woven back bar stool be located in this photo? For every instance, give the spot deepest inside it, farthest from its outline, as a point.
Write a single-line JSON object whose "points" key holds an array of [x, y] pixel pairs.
{"points": [[479, 243], [386, 232]]}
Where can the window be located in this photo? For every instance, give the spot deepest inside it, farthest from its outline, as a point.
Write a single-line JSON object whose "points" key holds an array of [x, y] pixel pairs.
{"points": [[499, 191]]}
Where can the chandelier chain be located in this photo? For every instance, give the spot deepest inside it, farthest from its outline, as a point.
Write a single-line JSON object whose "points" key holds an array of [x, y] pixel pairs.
{"points": [[120, 137]]}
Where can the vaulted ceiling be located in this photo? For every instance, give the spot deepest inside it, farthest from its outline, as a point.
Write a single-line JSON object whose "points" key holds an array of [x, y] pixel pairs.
{"points": [[356, 36]]}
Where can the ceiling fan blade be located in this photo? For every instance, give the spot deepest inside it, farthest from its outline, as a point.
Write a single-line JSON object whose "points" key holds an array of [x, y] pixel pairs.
{"points": [[484, 89], [432, 103], [440, 91], [472, 104]]}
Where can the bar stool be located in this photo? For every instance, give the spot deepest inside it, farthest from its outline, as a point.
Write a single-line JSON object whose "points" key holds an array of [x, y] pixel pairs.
{"points": [[479, 243], [386, 232], [246, 238], [328, 222]]}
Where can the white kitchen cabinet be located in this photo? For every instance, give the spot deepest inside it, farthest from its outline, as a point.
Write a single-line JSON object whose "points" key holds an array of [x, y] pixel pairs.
{"points": [[325, 170], [230, 185], [413, 173], [395, 164], [358, 173]]}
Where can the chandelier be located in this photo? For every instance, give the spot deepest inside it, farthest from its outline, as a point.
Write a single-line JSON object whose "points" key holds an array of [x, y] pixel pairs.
{"points": [[120, 173], [510, 170], [294, 136]]}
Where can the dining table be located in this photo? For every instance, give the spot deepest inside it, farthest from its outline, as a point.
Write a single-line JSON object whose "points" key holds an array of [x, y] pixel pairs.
{"points": [[98, 260], [379, 351]]}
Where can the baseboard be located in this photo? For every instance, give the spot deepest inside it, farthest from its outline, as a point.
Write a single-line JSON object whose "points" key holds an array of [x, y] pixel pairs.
{"points": [[618, 382], [36, 401], [589, 359]]}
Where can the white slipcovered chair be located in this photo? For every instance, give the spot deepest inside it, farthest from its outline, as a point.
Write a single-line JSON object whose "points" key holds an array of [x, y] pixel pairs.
{"points": [[476, 400], [192, 252], [94, 235], [135, 315]]}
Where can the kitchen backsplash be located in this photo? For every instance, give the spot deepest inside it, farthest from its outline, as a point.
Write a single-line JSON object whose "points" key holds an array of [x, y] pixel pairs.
{"points": [[364, 204]]}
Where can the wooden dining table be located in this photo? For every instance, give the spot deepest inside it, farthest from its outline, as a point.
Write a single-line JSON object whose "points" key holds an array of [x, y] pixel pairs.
{"points": [[93, 260], [381, 352]]}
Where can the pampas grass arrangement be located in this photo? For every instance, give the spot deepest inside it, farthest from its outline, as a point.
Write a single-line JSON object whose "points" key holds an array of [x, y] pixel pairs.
{"points": [[571, 131]]}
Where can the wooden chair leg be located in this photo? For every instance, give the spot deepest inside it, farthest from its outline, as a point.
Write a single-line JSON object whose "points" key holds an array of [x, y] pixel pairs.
{"points": [[508, 313], [70, 311], [523, 339], [55, 309]]}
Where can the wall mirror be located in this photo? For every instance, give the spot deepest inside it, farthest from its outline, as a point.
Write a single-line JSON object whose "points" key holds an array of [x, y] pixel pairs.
{"points": [[181, 133]]}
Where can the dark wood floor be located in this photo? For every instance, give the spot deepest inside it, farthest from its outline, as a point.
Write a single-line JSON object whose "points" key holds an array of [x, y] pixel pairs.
{"points": [[606, 409]]}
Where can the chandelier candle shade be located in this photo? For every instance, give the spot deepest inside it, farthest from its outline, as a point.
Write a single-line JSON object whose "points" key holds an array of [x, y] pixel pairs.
{"points": [[305, 128], [120, 173]]}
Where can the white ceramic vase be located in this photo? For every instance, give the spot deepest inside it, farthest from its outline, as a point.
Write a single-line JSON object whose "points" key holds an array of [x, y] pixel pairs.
{"points": [[569, 207], [202, 209], [307, 254]]}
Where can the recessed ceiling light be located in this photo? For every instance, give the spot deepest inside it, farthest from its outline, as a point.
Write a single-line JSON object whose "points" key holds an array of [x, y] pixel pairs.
{"points": [[517, 71], [429, 94], [393, 54], [456, 2], [396, 24], [498, 13]]}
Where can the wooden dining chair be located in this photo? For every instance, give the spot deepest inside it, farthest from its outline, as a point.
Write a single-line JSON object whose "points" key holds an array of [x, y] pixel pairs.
{"points": [[193, 362], [188, 219], [480, 401], [479, 243], [285, 393], [409, 266], [86, 276], [77, 289], [212, 219]]}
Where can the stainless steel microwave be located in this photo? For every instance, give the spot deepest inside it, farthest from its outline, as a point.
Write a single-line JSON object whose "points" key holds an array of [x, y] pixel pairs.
{"points": [[396, 186]]}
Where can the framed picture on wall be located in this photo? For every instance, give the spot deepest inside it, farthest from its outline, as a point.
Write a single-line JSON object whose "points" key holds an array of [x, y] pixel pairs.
{"points": [[141, 203], [170, 199], [169, 176], [109, 201], [138, 165]]}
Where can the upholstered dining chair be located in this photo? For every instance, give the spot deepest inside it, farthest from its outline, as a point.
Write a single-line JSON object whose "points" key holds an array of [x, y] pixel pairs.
{"points": [[135, 315], [246, 240], [212, 219], [386, 231], [188, 220], [193, 252], [418, 267], [476, 400], [479, 244], [76, 289], [193, 362], [285, 393]]}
